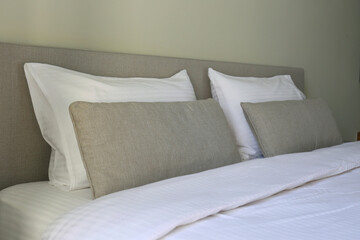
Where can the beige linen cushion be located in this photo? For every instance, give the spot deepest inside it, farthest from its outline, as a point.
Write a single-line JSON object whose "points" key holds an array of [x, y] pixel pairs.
{"points": [[283, 127], [125, 145]]}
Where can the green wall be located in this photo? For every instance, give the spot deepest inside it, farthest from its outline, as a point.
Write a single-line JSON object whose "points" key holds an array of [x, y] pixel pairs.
{"points": [[321, 36]]}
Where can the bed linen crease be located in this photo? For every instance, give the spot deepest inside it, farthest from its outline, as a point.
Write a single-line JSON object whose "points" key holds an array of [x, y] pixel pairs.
{"points": [[26, 210], [153, 211], [318, 210]]}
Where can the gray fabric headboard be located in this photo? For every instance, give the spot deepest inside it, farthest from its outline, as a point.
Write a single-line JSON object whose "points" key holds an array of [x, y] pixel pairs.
{"points": [[24, 155]]}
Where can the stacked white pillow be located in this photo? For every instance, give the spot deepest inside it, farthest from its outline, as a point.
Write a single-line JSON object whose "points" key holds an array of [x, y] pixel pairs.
{"points": [[230, 91], [53, 89]]}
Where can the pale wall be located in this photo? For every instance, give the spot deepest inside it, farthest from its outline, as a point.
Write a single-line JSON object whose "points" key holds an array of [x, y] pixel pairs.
{"points": [[321, 36]]}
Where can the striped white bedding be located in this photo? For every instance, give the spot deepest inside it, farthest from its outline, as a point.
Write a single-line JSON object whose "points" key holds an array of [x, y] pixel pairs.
{"points": [[324, 209], [26, 210], [234, 202]]}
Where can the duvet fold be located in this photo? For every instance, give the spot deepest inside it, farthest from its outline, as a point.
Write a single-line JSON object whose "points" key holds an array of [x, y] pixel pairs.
{"points": [[154, 210]]}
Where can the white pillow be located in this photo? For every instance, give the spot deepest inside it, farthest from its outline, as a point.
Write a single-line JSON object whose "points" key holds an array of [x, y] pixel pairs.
{"points": [[230, 91], [53, 89]]}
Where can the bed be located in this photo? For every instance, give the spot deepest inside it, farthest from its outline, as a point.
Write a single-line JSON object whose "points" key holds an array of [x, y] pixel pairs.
{"points": [[313, 194]]}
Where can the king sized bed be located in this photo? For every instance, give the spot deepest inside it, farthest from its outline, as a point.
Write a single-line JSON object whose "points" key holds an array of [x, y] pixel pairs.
{"points": [[117, 146]]}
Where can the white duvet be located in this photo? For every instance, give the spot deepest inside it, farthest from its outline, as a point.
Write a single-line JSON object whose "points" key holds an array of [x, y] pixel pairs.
{"points": [[234, 202]]}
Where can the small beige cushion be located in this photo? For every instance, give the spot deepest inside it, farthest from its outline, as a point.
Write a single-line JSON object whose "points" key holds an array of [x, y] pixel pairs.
{"points": [[283, 127], [125, 145]]}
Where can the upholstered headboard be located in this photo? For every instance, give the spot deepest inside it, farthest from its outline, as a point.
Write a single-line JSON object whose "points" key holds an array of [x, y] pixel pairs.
{"points": [[24, 155]]}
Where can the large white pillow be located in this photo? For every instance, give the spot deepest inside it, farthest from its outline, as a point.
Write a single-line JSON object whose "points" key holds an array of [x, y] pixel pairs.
{"points": [[53, 89], [230, 91]]}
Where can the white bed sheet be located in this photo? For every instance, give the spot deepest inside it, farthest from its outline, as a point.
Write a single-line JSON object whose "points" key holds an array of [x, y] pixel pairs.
{"points": [[325, 209], [27, 209], [329, 206], [216, 204]]}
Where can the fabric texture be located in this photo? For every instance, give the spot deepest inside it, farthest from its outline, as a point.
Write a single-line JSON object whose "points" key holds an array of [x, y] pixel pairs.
{"points": [[155, 210], [230, 91], [19, 127], [53, 89], [283, 127], [325, 209], [26, 210], [125, 145]]}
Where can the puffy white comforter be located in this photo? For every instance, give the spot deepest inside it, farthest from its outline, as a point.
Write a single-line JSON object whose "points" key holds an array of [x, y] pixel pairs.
{"points": [[240, 201]]}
